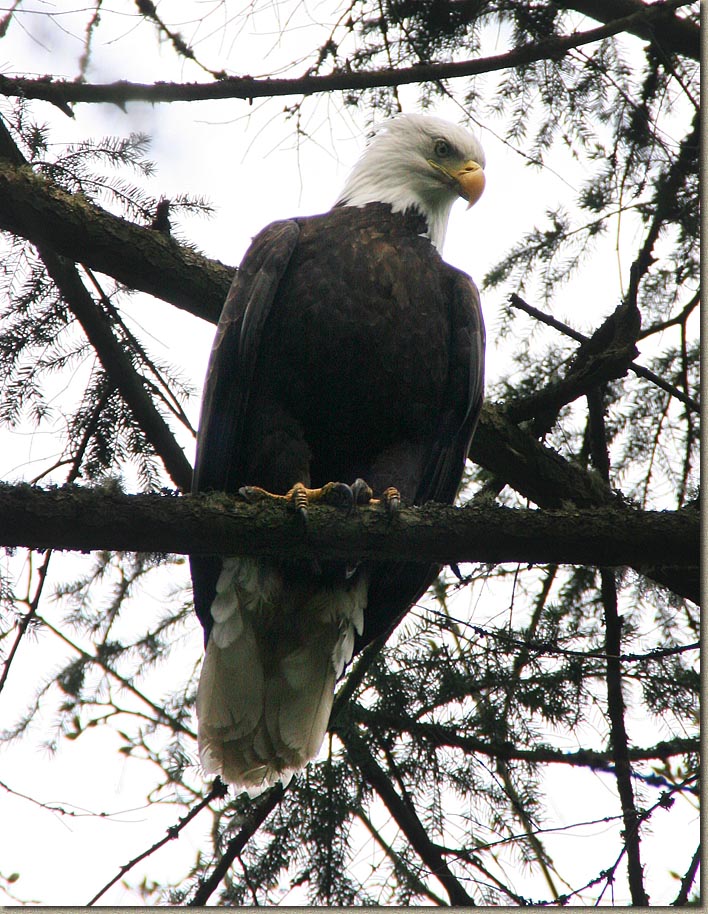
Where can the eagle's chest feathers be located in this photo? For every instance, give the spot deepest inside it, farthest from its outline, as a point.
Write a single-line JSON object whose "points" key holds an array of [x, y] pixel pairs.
{"points": [[361, 336]]}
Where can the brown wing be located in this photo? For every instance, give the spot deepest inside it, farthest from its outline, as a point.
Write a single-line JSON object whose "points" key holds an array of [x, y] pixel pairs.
{"points": [[228, 382], [346, 348], [395, 587]]}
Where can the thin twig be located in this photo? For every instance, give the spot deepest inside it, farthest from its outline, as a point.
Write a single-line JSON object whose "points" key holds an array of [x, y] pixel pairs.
{"points": [[217, 791], [517, 302]]}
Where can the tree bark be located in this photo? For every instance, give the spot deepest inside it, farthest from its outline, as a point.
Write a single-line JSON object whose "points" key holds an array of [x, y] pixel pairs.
{"points": [[642, 19], [137, 256], [84, 519]]}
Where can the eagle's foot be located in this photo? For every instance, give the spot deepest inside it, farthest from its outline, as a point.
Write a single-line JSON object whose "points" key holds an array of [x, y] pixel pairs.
{"points": [[362, 492], [390, 500], [254, 494], [299, 498]]}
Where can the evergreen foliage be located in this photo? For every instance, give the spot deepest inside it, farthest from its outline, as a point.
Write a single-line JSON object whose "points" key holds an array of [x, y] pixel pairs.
{"points": [[438, 786]]}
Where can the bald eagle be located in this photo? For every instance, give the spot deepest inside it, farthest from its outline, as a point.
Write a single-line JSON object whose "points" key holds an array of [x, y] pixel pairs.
{"points": [[348, 365]]}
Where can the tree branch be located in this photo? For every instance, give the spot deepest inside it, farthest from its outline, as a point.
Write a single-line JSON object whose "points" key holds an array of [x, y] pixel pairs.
{"points": [[85, 519], [534, 470], [405, 816], [682, 898], [115, 360], [62, 93], [601, 358], [671, 33], [450, 736], [259, 811], [565, 389], [218, 790], [36, 209], [620, 740]]}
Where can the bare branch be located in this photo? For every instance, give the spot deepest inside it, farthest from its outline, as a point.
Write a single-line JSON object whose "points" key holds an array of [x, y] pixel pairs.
{"points": [[62, 93], [217, 790]]}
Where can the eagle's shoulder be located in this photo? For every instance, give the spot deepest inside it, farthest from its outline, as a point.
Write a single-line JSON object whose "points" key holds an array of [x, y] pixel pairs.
{"points": [[373, 220]]}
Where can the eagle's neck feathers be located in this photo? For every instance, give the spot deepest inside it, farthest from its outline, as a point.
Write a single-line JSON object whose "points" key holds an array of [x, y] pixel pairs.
{"points": [[395, 169], [372, 182]]}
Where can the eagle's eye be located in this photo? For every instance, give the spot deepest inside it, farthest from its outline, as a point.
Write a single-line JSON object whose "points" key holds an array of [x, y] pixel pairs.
{"points": [[442, 149]]}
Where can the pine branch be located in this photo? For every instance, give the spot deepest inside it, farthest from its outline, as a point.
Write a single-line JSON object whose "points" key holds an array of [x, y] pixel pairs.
{"points": [[64, 93], [34, 208], [398, 863], [450, 736], [118, 366], [405, 817], [76, 518]]}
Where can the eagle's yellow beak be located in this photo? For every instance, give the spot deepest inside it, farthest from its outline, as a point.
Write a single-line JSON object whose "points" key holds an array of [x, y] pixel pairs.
{"points": [[470, 181]]}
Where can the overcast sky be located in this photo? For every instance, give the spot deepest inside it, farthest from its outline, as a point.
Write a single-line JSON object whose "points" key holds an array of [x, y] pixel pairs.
{"points": [[247, 162]]}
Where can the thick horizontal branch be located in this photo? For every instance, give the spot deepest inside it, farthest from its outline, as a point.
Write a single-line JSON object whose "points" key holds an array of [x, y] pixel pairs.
{"points": [[62, 93], [139, 257], [87, 519], [533, 469]]}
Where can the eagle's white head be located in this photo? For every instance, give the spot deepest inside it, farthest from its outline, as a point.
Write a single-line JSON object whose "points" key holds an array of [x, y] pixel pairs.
{"points": [[421, 162]]}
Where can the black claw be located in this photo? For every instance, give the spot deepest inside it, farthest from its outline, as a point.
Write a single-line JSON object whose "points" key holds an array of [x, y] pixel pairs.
{"points": [[362, 492], [249, 494], [392, 500], [339, 495]]}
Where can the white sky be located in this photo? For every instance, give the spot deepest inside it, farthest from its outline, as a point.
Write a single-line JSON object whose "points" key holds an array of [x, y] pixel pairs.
{"points": [[244, 159]]}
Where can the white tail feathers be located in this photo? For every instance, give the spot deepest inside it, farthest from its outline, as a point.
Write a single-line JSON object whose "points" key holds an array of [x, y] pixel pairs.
{"points": [[272, 659]]}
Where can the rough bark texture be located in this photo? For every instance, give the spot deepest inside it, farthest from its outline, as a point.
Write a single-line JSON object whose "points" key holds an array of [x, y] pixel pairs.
{"points": [[86, 519], [139, 257]]}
